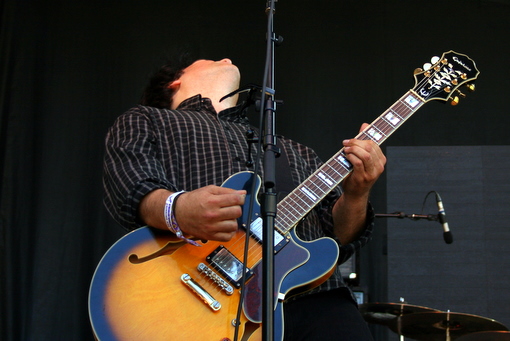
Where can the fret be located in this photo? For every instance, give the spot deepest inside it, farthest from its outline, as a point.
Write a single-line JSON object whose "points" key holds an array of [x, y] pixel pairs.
{"points": [[411, 103], [393, 118], [342, 161], [308, 193], [412, 100], [291, 208], [308, 196], [408, 106], [301, 202], [375, 134], [295, 206], [303, 205], [331, 171], [403, 110], [285, 223], [324, 177], [382, 125], [317, 186], [335, 170], [284, 220]]}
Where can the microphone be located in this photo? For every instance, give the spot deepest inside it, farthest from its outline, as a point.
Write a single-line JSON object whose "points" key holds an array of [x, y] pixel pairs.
{"points": [[447, 235]]}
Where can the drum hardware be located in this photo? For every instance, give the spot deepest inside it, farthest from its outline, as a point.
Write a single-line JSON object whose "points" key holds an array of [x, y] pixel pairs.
{"points": [[422, 323], [447, 326]]}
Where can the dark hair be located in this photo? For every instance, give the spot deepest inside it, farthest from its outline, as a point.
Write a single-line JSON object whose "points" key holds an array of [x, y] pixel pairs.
{"points": [[157, 93]]}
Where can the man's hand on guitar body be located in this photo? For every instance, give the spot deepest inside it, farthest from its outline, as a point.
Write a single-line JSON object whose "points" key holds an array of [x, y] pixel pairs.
{"points": [[210, 213], [207, 213]]}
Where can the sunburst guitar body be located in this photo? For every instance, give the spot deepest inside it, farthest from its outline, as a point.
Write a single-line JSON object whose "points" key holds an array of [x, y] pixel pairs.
{"points": [[152, 286]]}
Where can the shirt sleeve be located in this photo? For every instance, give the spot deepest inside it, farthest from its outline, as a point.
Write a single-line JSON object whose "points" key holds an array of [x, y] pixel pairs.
{"points": [[131, 168], [324, 211], [347, 250]]}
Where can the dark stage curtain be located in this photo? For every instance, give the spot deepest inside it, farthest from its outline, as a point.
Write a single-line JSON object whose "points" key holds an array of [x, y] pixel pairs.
{"points": [[53, 225], [68, 68]]}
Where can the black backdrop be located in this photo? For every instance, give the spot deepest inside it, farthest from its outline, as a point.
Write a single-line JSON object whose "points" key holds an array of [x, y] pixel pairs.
{"points": [[68, 68]]}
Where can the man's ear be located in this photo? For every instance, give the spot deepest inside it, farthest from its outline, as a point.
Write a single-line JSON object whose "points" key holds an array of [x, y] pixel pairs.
{"points": [[174, 85]]}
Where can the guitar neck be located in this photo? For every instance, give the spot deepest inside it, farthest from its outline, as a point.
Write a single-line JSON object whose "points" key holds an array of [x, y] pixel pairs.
{"points": [[309, 193]]}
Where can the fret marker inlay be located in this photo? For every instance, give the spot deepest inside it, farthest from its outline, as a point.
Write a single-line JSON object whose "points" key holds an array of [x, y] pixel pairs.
{"points": [[392, 118], [325, 178], [375, 134], [308, 193], [344, 161], [412, 101]]}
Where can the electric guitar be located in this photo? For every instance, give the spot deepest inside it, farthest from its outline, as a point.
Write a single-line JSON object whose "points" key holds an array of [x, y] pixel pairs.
{"points": [[152, 286]]}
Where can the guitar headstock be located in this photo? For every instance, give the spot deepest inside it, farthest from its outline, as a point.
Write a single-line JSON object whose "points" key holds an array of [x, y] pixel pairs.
{"points": [[442, 78]]}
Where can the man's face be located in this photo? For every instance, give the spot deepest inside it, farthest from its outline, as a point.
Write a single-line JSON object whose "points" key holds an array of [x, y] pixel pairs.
{"points": [[208, 70]]}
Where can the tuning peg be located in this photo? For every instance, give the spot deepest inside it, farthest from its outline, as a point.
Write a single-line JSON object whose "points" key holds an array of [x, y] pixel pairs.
{"points": [[470, 87], [427, 66], [456, 99], [460, 94], [434, 59]]}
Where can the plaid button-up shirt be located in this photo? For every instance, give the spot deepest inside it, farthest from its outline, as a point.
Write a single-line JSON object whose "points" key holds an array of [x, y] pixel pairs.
{"points": [[191, 147]]}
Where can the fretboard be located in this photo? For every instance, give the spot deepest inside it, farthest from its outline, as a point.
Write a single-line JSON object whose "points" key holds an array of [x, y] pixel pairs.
{"points": [[315, 188]]}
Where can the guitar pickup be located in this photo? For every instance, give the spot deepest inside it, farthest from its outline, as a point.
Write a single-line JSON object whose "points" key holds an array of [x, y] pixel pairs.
{"points": [[215, 278], [231, 268]]}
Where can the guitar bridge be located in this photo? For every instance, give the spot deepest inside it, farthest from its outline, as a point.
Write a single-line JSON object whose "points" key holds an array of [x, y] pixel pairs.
{"points": [[201, 292], [231, 268]]}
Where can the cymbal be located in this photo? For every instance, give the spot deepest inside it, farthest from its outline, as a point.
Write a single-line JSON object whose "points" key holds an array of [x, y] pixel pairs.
{"points": [[439, 325], [386, 313], [486, 336]]}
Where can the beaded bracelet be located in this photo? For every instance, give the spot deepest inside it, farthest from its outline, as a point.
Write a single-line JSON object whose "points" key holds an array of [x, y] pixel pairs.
{"points": [[170, 220]]}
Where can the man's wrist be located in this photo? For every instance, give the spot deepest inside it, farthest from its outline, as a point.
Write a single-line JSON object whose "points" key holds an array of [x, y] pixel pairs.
{"points": [[171, 221]]}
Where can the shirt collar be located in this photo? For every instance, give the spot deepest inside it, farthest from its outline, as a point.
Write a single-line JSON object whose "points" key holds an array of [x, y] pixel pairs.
{"points": [[198, 103]]}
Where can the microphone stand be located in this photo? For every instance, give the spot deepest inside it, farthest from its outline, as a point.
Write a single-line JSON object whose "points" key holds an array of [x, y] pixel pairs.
{"points": [[447, 235], [268, 106], [402, 215]]}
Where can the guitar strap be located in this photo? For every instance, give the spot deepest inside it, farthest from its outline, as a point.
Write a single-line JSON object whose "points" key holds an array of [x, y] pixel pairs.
{"points": [[283, 178]]}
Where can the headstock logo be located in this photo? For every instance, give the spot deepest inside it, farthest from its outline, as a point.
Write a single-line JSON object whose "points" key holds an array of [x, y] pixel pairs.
{"points": [[458, 61]]}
